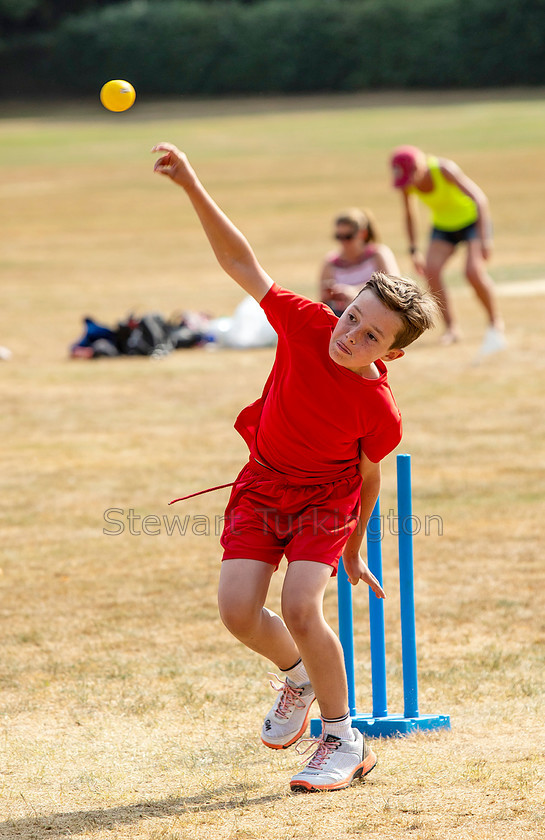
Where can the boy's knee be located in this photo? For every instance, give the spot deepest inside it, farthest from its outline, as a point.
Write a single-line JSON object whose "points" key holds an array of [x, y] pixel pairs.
{"points": [[300, 618], [237, 615]]}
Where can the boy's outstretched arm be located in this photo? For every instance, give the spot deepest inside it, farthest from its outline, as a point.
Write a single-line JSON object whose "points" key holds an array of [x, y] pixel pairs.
{"points": [[356, 569], [231, 248]]}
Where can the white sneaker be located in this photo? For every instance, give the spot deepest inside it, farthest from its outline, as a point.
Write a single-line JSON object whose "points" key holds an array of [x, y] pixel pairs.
{"points": [[288, 718], [335, 764], [493, 342]]}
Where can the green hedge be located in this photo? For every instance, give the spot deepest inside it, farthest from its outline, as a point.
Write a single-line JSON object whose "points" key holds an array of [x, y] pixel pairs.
{"points": [[290, 46]]}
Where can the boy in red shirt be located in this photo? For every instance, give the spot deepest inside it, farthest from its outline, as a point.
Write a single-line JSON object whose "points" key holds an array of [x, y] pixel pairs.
{"points": [[316, 436]]}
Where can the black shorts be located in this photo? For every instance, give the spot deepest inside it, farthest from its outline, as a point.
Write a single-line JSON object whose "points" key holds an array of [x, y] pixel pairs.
{"points": [[454, 237]]}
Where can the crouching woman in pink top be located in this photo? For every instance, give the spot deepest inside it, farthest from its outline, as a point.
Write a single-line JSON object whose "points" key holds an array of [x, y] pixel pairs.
{"points": [[360, 253]]}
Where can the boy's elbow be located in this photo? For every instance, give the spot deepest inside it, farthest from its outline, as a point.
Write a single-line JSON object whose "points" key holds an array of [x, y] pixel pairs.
{"points": [[370, 473]]}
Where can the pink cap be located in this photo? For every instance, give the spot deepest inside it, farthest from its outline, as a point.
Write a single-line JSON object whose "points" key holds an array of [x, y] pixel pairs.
{"points": [[403, 161]]}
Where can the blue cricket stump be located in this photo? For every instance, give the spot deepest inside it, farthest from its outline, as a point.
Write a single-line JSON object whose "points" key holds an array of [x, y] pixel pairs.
{"points": [[380, 723]]}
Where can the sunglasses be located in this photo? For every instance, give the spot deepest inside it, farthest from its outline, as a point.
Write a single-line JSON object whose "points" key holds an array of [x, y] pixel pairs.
{"points": [[344, 237]]}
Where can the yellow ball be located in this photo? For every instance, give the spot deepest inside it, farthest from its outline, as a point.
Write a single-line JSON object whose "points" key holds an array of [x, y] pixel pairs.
{"points": [[117, 95]]}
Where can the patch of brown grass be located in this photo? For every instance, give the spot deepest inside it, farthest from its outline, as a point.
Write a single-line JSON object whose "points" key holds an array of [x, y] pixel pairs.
{"points": [[127, 710]]}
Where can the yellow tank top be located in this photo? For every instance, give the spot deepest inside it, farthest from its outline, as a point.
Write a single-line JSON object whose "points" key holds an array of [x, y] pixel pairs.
{"points": [[451, 208]]}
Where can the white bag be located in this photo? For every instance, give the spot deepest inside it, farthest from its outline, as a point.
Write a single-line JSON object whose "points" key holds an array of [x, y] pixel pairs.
{"points": [[247, 328]]}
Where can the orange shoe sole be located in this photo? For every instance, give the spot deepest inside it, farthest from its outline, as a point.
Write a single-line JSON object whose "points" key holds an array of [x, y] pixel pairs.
{"points": [[362, 770]]}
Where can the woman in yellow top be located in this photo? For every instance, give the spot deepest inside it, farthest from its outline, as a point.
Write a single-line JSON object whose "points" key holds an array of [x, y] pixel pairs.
{"points": [[459, 214]]}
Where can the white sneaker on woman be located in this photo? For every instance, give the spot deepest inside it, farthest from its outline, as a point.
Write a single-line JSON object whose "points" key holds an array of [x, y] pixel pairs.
{"points": [[493, 341]]}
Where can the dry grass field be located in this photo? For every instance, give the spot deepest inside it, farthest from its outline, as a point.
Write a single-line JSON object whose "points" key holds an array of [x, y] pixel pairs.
{"points": [[127, 710]]}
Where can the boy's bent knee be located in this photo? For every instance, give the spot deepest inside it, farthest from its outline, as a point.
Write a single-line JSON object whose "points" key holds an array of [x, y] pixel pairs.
{"points": [[301, 619], [237, 615], [242, 591]]}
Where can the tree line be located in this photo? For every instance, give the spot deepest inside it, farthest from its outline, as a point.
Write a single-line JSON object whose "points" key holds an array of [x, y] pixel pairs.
{"points": [[219, 47]]}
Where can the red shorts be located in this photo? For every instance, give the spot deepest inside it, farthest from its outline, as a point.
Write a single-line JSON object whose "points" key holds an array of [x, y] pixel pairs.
{"points": [[270, 515]]}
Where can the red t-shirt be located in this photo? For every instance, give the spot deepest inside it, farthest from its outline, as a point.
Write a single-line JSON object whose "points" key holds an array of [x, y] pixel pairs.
{"points": [[315, 417]]}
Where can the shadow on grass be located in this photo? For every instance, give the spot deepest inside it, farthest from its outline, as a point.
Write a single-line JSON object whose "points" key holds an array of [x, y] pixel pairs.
{"points": [[75, 822]]}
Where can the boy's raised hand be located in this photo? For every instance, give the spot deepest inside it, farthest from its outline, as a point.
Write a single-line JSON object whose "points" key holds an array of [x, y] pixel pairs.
{"points": [[174, 164], [232, 249], [357, 570]]}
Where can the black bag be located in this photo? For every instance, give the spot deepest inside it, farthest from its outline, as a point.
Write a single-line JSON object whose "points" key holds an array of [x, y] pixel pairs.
{"points": [[149, 336]]}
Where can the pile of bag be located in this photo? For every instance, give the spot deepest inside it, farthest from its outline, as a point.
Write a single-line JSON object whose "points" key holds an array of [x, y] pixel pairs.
{"points": [[153, 335], [150, 335]]}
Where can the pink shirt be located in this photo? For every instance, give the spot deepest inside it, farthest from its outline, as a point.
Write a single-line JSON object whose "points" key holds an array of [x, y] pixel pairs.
{"points": [[354, 274]]}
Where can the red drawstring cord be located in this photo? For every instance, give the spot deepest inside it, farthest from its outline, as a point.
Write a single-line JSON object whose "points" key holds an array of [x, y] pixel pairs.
{"points": [[200, 492]]}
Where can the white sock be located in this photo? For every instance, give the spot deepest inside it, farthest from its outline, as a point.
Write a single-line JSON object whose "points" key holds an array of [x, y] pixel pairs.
{"points": [[297, 673], [339, 727]]}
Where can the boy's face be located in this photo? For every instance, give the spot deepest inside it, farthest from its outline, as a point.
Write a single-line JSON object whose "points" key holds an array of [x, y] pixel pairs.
{"points": [[364, 333]]}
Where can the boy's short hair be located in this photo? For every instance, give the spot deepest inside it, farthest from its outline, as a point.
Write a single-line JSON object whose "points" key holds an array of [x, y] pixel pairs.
{"points": [[417, 308]]}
